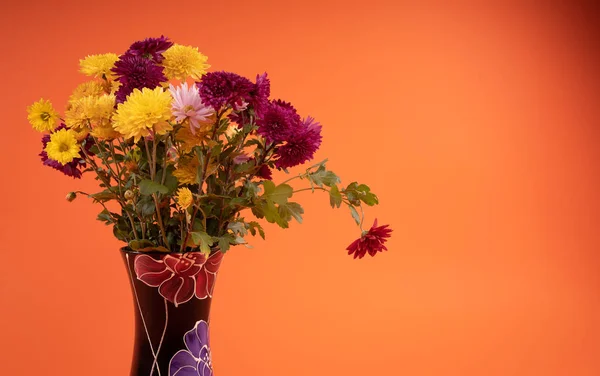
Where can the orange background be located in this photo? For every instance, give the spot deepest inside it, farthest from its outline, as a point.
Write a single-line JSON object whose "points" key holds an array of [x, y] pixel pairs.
{"points": [[476, 123]]}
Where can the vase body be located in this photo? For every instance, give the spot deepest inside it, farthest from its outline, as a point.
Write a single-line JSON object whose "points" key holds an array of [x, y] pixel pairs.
{"points": [[172, 294]]}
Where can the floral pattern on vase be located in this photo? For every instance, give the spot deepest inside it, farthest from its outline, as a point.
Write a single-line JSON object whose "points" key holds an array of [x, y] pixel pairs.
{"points": [[180, 276], [195, 360]]}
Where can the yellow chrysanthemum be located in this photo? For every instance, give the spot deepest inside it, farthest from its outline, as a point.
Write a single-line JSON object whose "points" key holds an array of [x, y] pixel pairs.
{"points": [[187, 170], [80, 113], [63, 146], [98, 65], [144, 111], [87, 89], [182, 62], [42, 116], [184, 198], [105, 107], [188, 140]]}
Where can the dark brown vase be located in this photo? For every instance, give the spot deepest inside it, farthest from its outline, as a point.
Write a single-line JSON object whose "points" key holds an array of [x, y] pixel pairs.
{"points": [[172, 293]]}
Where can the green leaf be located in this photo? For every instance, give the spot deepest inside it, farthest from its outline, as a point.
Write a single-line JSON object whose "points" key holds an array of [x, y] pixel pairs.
{"points": [[271, 214], [335, 197], [225, 242], [238, 228], [139, 244], [291, 209], [355, 214], [105, 195], [253, 227], [204, 240], [106, 217], [148, 187], [278, 194], [323, 177]]}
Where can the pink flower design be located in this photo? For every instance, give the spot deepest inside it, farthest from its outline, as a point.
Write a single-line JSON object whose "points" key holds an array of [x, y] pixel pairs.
{"points": [[179, 276]]}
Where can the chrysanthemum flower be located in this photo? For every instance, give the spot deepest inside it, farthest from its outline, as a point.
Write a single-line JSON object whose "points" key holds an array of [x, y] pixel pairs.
{"points": [[42, 116], [184, 198], [136, 72], [99, 66], [371, 241], [102, 127], [63, 146], [219, 89], [259, 95], [80, 113], [188, 140], [264, 172], [188, 105], [151, 48], [73, 168], [145, 112], [87, 89], [278, 121], [302, 146], [187, 170], [182, 62]]}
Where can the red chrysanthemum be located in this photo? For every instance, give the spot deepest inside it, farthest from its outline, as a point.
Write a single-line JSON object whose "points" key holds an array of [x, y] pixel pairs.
{"points": [[371, 241]]}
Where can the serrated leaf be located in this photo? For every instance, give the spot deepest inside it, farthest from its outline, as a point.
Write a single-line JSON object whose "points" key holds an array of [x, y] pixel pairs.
{"points": [[355, 214], [278, 194], [291, 209], [203, 240], [149, 187], [323, 177], [335, 197], [254, 226], [105, 195]]}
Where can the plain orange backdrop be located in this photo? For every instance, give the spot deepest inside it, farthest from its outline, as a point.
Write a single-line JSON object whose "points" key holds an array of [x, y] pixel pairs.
{"points": [[476, 123]]}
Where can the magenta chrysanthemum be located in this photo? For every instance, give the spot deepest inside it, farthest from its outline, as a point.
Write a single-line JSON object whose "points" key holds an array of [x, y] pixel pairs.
{"points": [[371, 241], [151, 48], [278, 122], [136, 72], [259, 95], [72, 168], [219, 89], [302, 146], [264, 172], [188, 105]]}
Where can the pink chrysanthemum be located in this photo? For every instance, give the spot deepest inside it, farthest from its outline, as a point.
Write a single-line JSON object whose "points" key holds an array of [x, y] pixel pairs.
{"points": [[371, 241], [188, 105]]}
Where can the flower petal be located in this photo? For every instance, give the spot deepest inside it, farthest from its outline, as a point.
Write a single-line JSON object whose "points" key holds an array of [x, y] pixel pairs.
{"points": [[177, 290], [150, 271], [201, 285], [213, 262], [197, 338], [183, 364]]}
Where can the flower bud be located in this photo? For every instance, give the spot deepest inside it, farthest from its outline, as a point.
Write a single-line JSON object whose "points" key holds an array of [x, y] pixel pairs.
{"points": [[129, 194], [71, 196]]}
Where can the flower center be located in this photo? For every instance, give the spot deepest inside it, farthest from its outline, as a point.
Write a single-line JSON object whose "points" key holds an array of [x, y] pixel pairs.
{"points": [[45, 116], [63, 148]]}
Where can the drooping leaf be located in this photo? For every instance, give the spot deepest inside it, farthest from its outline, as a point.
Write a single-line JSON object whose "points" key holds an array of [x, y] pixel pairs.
{"points": [[149, 187], [335, 197], [291, 209], [355, 214]]}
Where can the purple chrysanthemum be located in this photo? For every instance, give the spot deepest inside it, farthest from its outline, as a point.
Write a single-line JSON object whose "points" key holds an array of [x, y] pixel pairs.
{"points": [[259, 95], [136, 72], [219, 89], [151, 48], [72, 168], [302, 146], [278, 121], [264, 172]]}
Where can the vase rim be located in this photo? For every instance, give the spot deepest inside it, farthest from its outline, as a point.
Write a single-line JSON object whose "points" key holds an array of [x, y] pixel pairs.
{"points": [[130, 251]]}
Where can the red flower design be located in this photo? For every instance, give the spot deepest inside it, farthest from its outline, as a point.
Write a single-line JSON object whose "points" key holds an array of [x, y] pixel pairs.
{"points": [[371, 241], [179, 275]]}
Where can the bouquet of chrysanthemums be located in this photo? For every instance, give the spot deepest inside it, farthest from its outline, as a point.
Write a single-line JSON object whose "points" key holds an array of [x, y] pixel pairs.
{"points": [[183, 157]]}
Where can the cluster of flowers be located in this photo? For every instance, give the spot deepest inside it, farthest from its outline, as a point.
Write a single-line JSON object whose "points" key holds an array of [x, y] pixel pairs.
{"points": [[157, 128]]}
